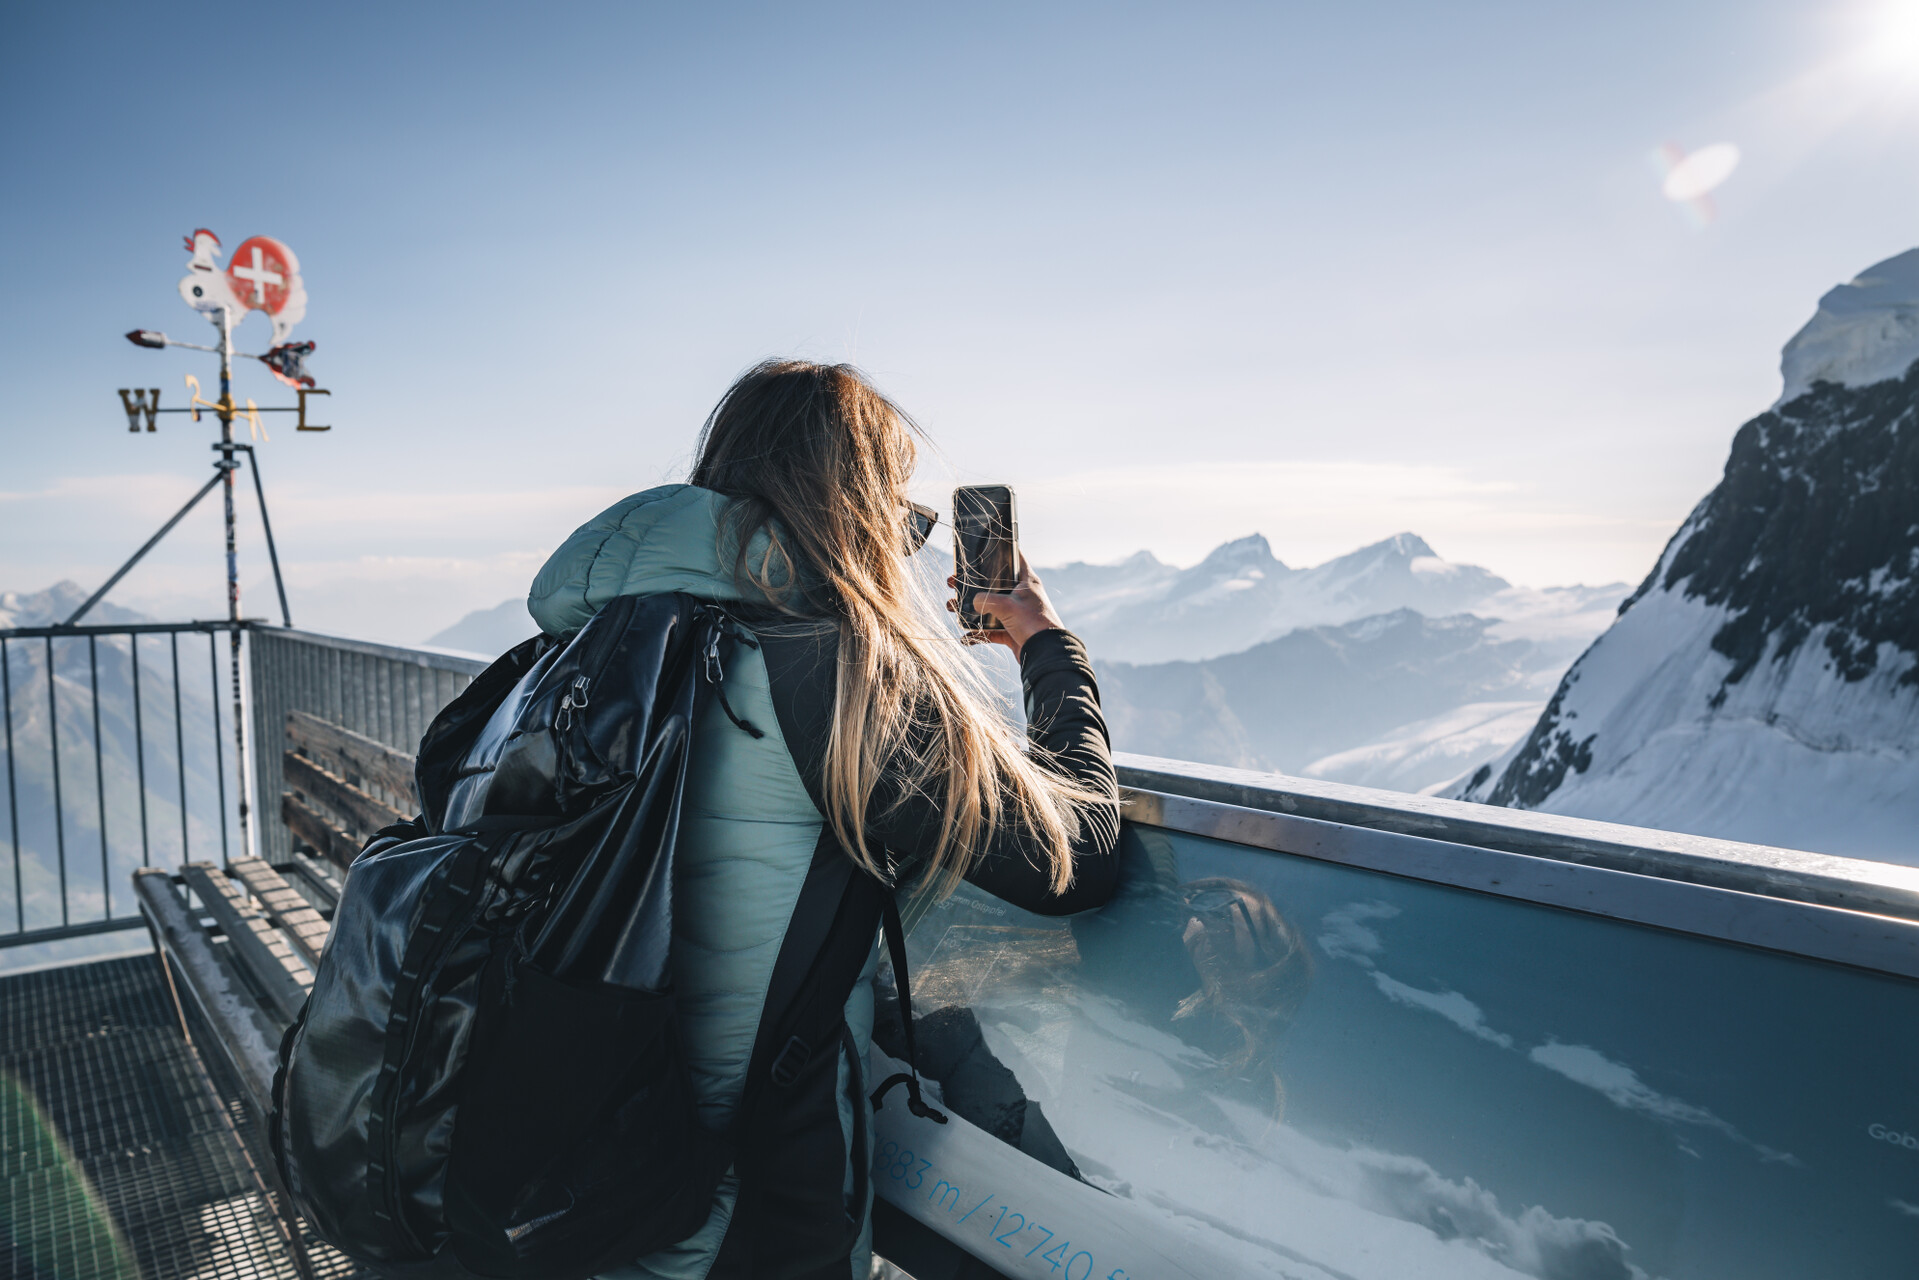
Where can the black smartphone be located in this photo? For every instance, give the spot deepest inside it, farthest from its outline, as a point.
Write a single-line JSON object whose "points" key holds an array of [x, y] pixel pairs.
{"points": [[985, 548]]}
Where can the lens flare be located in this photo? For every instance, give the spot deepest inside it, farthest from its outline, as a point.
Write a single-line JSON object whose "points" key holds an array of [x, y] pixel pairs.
{"points": [[1689, 178]]}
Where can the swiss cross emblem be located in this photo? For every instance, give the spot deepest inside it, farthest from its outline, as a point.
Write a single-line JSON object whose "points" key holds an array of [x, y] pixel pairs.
{"points": [[261, 274], [264, 276]]}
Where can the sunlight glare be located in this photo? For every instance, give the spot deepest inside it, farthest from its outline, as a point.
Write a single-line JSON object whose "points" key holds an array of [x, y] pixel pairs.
{"points": [[1894, 42]]}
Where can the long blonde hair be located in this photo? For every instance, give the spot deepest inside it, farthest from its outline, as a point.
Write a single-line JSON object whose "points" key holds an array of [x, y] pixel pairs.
{"points": [[818, 461]]}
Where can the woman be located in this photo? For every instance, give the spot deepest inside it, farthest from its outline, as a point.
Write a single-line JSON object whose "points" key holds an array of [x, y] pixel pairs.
{"points": [[875, 741]]}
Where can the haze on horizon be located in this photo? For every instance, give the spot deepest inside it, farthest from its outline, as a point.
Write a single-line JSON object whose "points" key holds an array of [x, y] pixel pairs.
{"points": [[1326, 273]]}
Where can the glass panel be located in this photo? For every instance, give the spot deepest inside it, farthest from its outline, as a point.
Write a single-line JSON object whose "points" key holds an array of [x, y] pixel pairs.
{"points": [[1256, 1064]]}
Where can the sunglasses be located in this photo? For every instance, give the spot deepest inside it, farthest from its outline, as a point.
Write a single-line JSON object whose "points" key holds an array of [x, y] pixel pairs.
{"points": [[920, 520]]}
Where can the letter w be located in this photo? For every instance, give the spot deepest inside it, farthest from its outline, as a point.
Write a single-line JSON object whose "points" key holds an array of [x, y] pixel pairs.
{"points": [[137, 403]]}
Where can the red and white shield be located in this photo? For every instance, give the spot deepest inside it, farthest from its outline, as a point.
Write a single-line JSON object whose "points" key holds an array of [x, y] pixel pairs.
{"points": [[265, 276], [262, 274]]}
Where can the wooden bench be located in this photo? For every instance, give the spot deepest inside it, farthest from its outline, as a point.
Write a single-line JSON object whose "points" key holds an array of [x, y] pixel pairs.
{"points": [[244, 941], [341, 787]]}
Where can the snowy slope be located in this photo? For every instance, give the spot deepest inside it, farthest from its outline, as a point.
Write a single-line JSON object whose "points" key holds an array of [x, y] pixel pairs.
{"points": [[1865, 331], [1763, 683], [1427, 754], [1319, 691]]}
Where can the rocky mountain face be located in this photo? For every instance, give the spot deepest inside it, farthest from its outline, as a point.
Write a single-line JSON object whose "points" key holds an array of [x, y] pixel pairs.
{"points": [[1763, 682], [56, 604]]}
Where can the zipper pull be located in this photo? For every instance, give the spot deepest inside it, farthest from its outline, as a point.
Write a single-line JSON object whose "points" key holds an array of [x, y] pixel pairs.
{"points": [[574, 700], [715, 674]]}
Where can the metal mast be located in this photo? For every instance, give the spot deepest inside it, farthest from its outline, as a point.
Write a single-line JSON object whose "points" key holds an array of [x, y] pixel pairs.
{"points": [[227, 466]]}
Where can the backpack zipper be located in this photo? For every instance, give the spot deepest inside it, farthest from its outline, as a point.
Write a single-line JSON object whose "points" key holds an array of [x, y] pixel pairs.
{"points": [[575, 700], [612, 622]]}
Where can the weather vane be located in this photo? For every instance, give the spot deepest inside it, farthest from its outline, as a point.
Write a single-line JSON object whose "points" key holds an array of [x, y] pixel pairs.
{"points": [[263, 276]]}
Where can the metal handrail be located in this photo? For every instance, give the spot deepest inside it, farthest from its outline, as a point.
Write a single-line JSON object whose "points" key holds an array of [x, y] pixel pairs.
{"points": [[63, 811], [1837, 908], [1644, 895], [1854, 884]]}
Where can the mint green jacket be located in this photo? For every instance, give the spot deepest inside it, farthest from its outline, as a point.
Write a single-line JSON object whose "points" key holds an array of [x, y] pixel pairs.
{"points": [[748, 833]]}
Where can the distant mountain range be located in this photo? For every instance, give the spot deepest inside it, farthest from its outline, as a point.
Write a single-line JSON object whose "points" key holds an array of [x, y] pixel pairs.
{"points": [[1366, 669], [488, 632], [1387, 667], [126, 757], [1763, 682], [1317, 692], [1143, 611]]}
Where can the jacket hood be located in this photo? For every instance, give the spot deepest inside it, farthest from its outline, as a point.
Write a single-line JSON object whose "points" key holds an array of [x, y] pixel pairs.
{"points": [[666, 539]]}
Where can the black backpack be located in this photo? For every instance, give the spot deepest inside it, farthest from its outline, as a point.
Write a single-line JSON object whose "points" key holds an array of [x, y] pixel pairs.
{"points": [[487, 1078]]}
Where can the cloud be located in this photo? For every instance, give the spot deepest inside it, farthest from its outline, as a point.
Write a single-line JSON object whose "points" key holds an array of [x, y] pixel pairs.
{"points": [[1345, 936], [1621, 1085], [1458, 1211], [1450, 1005], [1901, 1207], [1535, 1241]]}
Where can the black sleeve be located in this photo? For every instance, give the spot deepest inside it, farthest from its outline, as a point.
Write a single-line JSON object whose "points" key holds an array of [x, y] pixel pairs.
{"points": [[1063, 721]]}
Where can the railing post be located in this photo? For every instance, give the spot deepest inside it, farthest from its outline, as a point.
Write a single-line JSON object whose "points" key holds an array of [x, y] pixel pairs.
{"points": [[59, 805], [219, 755], [13, 794], [100, 776], [139, 748], [180, 748]]}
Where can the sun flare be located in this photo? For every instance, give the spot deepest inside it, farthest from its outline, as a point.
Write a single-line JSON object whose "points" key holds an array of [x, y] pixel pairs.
{"points": [[1893, 42]]}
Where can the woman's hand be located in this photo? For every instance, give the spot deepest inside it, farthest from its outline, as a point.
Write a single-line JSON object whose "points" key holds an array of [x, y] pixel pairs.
{"points": [[1024, 611]]}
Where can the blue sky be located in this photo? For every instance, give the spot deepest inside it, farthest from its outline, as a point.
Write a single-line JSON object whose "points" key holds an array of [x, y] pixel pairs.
{"points": [[1178, 272]]}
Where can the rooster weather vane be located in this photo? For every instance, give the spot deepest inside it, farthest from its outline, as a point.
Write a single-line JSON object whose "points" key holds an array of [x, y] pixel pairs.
{"points": [[263, 276]]}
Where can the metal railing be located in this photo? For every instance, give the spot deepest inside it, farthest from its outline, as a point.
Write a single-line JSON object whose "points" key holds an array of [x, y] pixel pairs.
{"points": [[386, 692], [116, 758], [119, 756]]}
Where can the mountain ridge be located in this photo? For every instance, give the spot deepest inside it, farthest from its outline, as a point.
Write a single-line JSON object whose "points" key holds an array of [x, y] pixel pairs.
{"points": [[1762, 683]]}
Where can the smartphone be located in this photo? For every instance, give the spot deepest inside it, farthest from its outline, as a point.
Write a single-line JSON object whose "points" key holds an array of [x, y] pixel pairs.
{"points": [[985, 548]]}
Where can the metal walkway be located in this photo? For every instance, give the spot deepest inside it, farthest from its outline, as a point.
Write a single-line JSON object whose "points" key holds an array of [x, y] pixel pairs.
{"points": [[122, 1157]]}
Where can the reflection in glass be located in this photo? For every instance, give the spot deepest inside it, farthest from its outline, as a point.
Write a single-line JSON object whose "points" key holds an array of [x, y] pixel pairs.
{"points": [[1337, 1073]]}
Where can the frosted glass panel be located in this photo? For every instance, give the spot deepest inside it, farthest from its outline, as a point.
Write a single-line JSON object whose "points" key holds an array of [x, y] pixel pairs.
{"points": [[1281, 1067]]}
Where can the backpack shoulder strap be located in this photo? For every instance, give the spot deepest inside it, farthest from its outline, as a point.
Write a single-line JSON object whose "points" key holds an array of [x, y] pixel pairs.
{"points": [[903, 982], [802, 986]]}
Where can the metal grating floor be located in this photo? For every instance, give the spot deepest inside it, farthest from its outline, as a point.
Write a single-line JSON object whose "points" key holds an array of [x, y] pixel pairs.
{"points": [[119, 1156]]}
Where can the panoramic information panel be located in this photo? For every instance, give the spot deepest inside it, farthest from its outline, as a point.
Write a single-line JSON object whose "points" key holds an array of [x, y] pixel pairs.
{"points": [[1262, 1065]]}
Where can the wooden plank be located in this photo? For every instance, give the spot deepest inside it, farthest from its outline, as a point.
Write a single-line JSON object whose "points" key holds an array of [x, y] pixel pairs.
{"points": [[353, 756], [245, 1032], [360, 812], [285, 906], [318, 833], [318, 880], [268, 956]]}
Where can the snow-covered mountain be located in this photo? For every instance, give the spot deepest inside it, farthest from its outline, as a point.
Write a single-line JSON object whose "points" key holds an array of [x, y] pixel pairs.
{"points": [[1317, 692], [1141, 610], [55, 604], [1763, 682], [128, 754]]}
